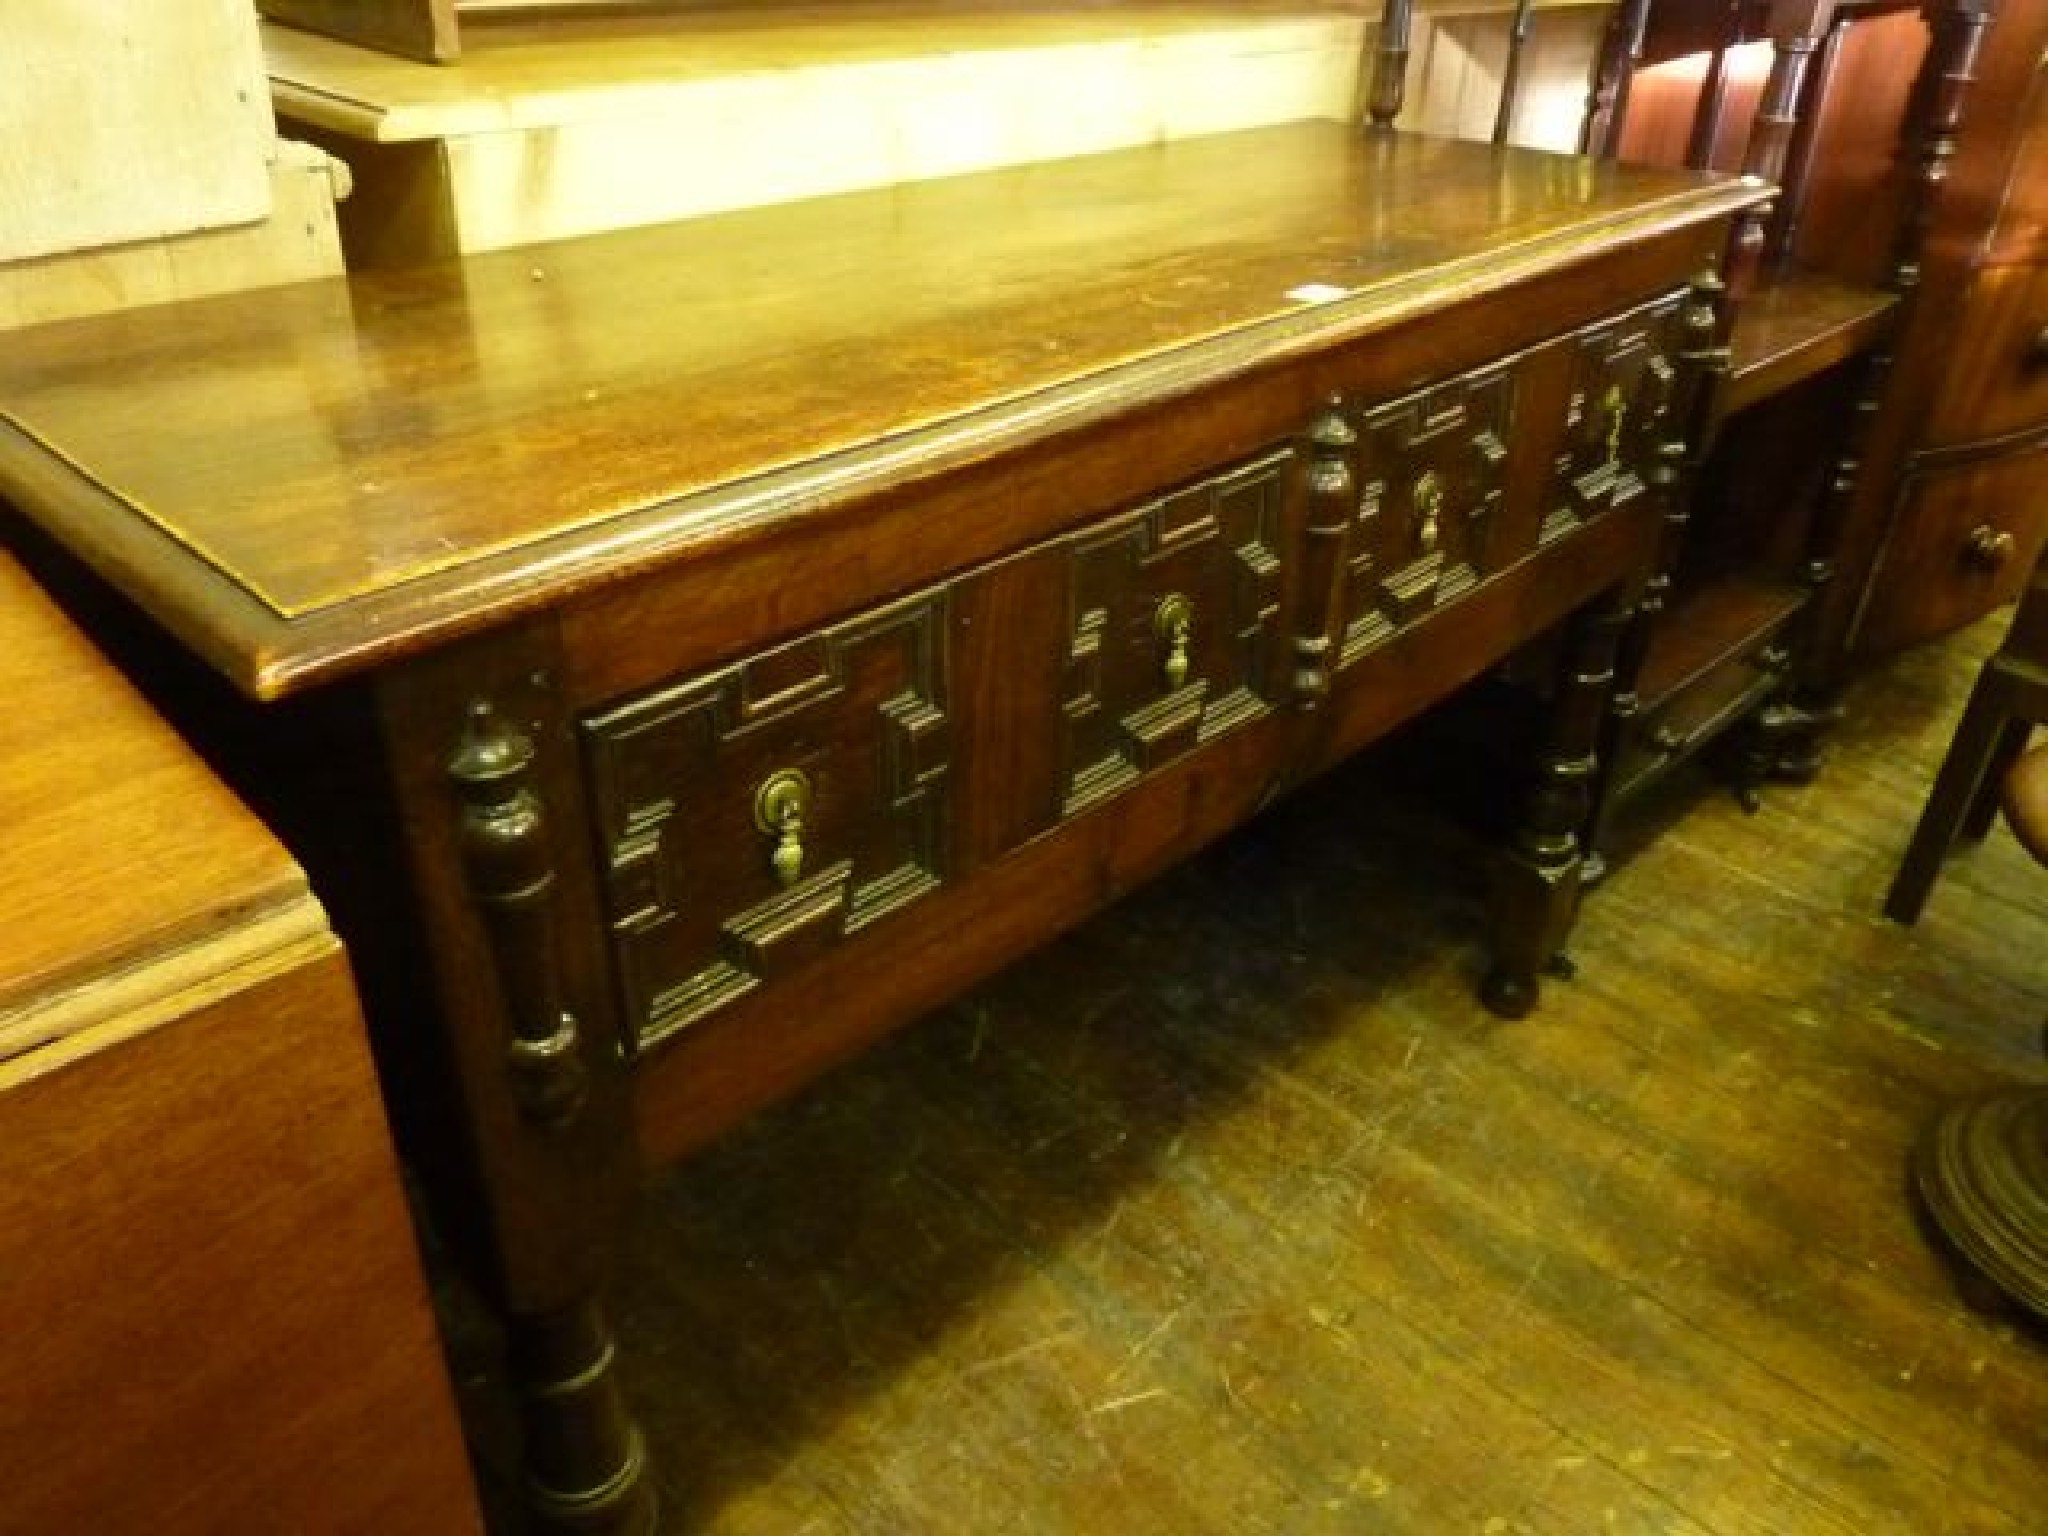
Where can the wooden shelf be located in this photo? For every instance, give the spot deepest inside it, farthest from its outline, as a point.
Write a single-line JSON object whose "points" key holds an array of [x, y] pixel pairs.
{"points": [[651, 117], [1796, 325], [1716, 623]]}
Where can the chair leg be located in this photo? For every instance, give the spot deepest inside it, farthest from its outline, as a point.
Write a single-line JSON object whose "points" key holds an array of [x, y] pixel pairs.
{"points": [[1983, 813], [1956, 787]]}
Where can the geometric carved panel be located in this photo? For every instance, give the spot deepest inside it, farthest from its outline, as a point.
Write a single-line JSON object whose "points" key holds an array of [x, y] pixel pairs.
{"points": [[1174, 627], [1431, 472], [750, 817], [1619, 412]]}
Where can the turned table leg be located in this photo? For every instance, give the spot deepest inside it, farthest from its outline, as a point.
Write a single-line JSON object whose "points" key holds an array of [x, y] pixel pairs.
{"points": [[1536, 890], [586, 1463]]}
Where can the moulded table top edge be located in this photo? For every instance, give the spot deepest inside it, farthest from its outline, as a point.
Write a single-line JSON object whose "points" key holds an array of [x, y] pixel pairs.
{"points": [[271, 644], [123, 848]]}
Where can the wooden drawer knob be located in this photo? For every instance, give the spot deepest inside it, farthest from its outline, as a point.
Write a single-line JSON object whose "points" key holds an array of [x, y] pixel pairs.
{"points": [[1988, 548]]}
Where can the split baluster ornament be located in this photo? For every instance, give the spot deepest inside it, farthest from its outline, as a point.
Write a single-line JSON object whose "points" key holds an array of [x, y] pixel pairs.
{"points": [[505, 857], [1330, 495], [586, 1462]]}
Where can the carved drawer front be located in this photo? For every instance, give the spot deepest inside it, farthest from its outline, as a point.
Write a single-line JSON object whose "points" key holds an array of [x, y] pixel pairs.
{"points": [[1617, 414], [1966, 535], [1174, 627], [1431, 474], [754, 815], [1995, 340]]}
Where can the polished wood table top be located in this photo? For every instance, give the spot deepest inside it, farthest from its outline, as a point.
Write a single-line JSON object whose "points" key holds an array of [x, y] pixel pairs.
{"points": [[301, 481]]}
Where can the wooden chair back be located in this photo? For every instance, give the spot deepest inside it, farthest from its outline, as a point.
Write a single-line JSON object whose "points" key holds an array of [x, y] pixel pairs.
{"points": [[1815, 96]]}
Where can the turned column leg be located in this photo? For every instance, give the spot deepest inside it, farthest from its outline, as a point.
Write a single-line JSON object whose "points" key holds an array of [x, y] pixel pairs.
{"points": [[1786, 734], [533, 1153], [1537, 887], [586, 1463]]}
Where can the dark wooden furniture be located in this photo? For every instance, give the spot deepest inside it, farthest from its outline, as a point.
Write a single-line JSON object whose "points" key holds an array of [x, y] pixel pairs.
{"points": [[1952, 506], [217, 1319], [2010, 698], [710, 646], [1982, 1170], [428, 30], [1854, 118]]}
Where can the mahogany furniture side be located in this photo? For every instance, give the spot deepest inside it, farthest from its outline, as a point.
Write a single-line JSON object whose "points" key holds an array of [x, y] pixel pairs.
{"points": [[217, 1317], [427, 30], [743, 635], [1948, 519]]}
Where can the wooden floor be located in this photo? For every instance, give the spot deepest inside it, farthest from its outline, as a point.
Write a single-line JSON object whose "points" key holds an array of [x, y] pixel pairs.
{"points": [[1234, 1213]]}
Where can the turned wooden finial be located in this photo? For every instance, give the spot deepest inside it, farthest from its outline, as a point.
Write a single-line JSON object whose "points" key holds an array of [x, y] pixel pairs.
{"points": [[1390, 64], [1511, 74]]}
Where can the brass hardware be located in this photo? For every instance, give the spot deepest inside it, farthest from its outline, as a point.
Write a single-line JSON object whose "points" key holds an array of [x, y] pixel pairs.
{"points": [[1615, 404], [1428, 497], [2037, 349], [1174, 623], [1988, 548], [780, 805]]}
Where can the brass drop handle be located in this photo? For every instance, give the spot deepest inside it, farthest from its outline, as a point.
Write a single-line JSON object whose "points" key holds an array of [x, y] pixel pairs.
{"points": [[1988, 548], [1615, 404], [1174, 623], [780, 805], [1429, 506], [2037, 349]]}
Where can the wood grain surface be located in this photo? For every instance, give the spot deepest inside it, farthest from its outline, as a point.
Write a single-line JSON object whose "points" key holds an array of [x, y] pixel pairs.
{"points": [[121, 847], [246, 464], [218, 1318], [221, 1323], [165, 123]]}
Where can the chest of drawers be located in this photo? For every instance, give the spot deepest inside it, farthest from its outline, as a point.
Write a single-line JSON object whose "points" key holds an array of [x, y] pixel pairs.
{"points": [[744, 635], [1946, 521]]}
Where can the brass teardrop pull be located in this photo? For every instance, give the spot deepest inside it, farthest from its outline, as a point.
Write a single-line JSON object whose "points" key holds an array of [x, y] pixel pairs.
{"points": [[1615, 404], [1428, 497], [780, 805], [1174, 623]]}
